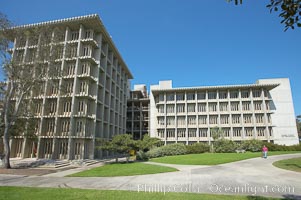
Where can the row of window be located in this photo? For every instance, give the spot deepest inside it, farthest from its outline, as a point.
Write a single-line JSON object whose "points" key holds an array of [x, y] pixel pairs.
{"points": [[213, 107], [213, 95], [203, 133], [214, 119]]}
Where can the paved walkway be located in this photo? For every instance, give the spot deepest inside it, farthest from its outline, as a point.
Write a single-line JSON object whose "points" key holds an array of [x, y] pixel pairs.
{"points": [[248, 177]]}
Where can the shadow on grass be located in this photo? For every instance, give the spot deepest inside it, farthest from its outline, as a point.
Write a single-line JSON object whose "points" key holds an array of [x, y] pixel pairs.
{"points": [[291, 196]]}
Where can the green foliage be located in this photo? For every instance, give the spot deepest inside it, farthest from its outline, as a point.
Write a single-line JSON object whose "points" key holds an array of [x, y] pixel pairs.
{"points": [[122, 144], [198, 148], [147, 143], [252, 145], [290, 11], [216, 133], [167, 150], [224, 146], [141, 155], [277, 147]]}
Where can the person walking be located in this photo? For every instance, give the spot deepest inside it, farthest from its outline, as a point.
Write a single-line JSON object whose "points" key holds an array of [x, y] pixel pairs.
{"points": [[264, 151]]}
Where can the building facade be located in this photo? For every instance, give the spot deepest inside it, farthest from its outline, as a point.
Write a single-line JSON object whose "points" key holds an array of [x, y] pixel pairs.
{"points": [[262, 111], [138, 112], [88, 101]]}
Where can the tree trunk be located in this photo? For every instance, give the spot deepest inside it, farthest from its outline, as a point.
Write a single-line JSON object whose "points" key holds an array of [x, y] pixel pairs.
{"points": [[6, 149]]}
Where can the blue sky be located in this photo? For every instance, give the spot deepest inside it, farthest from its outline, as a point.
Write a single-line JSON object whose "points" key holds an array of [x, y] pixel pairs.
{"points": [[193, 42]]}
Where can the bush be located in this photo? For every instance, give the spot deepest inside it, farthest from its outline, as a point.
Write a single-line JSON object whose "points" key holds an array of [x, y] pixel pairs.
{"points": [[141, 155], [224, 146], [277, 147], [198, 148], [252, 145], [167, 150]]}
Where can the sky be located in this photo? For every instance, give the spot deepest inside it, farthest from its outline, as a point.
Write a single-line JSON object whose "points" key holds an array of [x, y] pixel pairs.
{"points": [[192, 42]]}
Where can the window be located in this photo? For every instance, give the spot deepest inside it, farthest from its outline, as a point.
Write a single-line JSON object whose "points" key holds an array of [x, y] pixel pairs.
{"points": [[81, 107], [212, 107], [256, 93], [202, 120], [67, 107], [161, 133], [259, 119], [212, 95], [247, 119], [191, 132], [224, 119], [87, 50], [85, 68], [245, 106], [236, 132], [70, 69], [170, 133], [191, 107], [245, 94], [201, 96], [191, 120], [83, 87], [181, 121], [65, 127], [203, 132], [235, 119], [249, 132], [234, 106], [226, 132], [213, 119], [161, 97], [79, 126], [170, 121], [181, 108], [38, 108], [88, 34], [180, 97], [170, 109], [202, 107], [72, 51], [223, 95], [74, 35], [161, 121], [170, 97], [69, 87], [234, 94], [50, 127], [260, 132], [161, 108], [223, 107], [257, 105], [181, 133], [190, 96], [52, 108], [267, 106]]}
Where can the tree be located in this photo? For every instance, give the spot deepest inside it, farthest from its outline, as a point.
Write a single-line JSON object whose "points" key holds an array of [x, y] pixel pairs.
{"points": [[24, 75], [290, 11], [120, 144], [216, 133], [298, 122], [147, 143]]}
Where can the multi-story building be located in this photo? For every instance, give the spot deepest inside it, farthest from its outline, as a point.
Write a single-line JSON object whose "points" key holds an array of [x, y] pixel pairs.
{"points": [[88, 101], [263, 111], [138, 112]]}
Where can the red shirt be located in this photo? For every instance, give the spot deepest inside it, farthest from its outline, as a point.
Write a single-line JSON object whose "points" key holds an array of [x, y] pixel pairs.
{"points": [[264, 149]]}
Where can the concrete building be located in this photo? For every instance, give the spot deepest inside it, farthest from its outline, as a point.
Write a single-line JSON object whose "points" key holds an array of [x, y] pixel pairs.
{"points": [[88, 101], [263, 111], [138, 112]]}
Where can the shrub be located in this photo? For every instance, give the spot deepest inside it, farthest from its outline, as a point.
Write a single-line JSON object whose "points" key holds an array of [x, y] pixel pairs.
{"points": [[224, 146], [277, 147], [252, 145], [141, 155], [167, 150], [198, 148]]}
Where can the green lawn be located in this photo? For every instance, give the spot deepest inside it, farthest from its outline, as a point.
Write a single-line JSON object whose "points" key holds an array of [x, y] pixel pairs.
{"points": [[123, 169], [293, 164], [26, 193], [213, 158]]}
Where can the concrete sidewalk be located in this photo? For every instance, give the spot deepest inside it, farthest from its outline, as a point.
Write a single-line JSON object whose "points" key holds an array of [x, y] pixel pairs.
{"points": [[248, 177]]}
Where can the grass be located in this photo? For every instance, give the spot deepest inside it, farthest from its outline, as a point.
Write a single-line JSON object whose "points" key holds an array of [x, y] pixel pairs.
{"points": [[293, 164], [213, 158], [123, 169], [26, 193]]}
